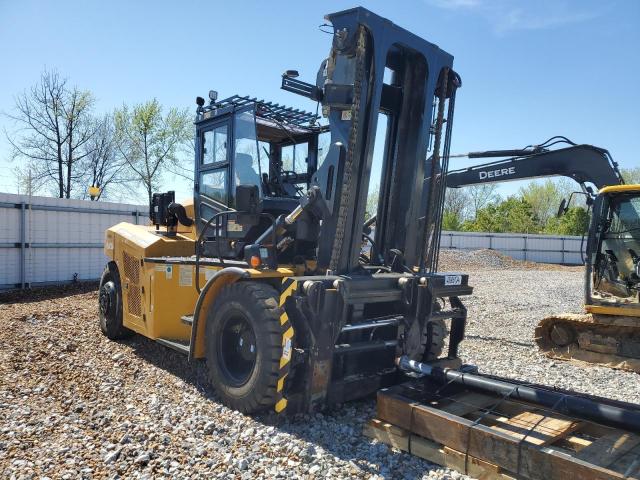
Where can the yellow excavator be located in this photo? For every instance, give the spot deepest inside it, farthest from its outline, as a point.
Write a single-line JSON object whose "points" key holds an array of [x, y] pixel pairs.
{"points": [[608, 332]]}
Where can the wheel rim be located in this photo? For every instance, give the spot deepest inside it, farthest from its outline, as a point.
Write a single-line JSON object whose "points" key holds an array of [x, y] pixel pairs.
{"points": [[107, 298], [237, 349]]}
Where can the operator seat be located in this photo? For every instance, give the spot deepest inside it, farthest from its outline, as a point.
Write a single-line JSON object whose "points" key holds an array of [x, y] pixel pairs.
{"points": [[245, 174]]}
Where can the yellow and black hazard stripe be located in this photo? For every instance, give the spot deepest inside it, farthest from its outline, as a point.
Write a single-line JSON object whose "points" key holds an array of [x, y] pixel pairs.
{"points": [[288, 287]]}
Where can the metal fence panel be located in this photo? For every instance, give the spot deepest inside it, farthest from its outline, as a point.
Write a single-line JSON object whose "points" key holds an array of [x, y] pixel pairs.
{"points": [[563, 249], [52, 240]]}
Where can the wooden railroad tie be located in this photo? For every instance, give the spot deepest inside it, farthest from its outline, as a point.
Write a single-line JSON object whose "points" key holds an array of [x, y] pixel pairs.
{"points": [[492, 438]]}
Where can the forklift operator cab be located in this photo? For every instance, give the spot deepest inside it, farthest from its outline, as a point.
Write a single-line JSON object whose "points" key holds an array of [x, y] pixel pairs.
{"points": [[246, 142]]}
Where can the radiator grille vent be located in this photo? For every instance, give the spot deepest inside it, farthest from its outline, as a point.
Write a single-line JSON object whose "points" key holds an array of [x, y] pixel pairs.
{"points": [[132, 276], [131, 268], [135, 302]]}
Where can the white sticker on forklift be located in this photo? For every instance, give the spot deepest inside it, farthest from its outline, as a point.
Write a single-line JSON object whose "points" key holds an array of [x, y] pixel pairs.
{"points": [[186, 275], [167, 269], [453, 279], [286, 349], [346, 115]]}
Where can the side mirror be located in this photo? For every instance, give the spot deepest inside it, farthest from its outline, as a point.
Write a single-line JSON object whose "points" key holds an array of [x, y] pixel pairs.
{"points": [[562, 209], [248, 204]]}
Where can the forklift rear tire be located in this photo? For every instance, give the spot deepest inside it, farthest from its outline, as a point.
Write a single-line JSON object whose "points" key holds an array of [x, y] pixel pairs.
{"points": [[244, 345], [110, 305]]}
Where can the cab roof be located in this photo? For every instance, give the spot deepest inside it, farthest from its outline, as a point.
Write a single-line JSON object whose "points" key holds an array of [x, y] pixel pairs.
{"points": [[266, 110], [621, 189]]}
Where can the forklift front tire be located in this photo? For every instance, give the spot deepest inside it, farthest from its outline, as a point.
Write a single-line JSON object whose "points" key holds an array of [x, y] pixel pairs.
{"points": [[110, 306], [244, 345]]}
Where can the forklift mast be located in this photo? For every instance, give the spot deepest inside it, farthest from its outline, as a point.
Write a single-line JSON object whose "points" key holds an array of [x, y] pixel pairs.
{"points": [[375, 67]]}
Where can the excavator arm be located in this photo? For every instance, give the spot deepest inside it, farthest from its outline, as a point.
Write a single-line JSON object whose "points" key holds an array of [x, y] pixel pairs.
{"points": [[582, 163]]}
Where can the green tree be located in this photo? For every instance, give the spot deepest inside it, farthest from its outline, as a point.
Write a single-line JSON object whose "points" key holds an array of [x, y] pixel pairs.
{"points": [[150, 142], [544, 198], [372, 201], [513, 215], [631, 175], [451, 222], [456, 202], [481, 195], [574, 222]]}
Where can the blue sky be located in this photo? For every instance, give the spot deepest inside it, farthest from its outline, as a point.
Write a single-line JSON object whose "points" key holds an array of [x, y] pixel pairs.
{"points": [[530, 69]]}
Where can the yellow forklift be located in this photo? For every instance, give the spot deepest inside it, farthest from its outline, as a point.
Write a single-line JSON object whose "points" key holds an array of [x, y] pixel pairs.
{"points": [[262, 275]]}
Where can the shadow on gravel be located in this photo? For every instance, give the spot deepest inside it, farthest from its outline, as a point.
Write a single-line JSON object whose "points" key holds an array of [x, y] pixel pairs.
{"points": [[498, 339], [172, 362], [338, 431], [38, 294]]}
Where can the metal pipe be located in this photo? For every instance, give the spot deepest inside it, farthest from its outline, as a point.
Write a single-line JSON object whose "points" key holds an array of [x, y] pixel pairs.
{"points": [[627, 419], [361, 347], [23, 245], [293, 216], [373, 324]]}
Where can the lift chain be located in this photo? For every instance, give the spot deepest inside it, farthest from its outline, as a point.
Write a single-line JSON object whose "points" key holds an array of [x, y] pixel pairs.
{"points": [[345, 194]]}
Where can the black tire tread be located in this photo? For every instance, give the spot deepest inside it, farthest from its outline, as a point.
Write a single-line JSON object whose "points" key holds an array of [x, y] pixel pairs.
{"points": [[262, 298], [113, 328]]}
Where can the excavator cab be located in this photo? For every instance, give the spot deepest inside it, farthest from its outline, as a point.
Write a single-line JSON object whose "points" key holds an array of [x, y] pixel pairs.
{"points": [[614, 248]]}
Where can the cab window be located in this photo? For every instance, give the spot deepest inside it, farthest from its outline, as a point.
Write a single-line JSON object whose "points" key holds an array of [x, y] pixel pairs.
{"points": [[247, 160], [214, 145], [295, 157], [214, 185], [625, 218]]}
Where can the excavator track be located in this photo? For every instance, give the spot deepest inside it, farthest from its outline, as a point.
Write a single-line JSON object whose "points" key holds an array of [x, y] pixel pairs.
{"points": [[608, 340]]}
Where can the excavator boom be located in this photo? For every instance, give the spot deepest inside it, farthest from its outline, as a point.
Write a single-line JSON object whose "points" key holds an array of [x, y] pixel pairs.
{"points": [[582, 163]]}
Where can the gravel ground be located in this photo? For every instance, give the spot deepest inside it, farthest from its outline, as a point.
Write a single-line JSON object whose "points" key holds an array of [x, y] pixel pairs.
{"points": [[75, 405]]}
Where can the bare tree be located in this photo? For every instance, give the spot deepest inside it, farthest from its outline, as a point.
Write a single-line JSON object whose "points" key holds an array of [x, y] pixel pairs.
{"points": [[25, 181], [456, 202], [149, 142], [102, 167], [52, 127], [481, 195]]}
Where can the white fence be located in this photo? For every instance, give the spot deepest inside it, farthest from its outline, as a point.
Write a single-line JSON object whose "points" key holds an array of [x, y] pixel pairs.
{"points": [[51, 240], [535, 248]]}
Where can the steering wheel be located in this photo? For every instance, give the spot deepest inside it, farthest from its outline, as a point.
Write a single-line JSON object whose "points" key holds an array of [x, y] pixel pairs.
{"points": [[287, 174]]}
